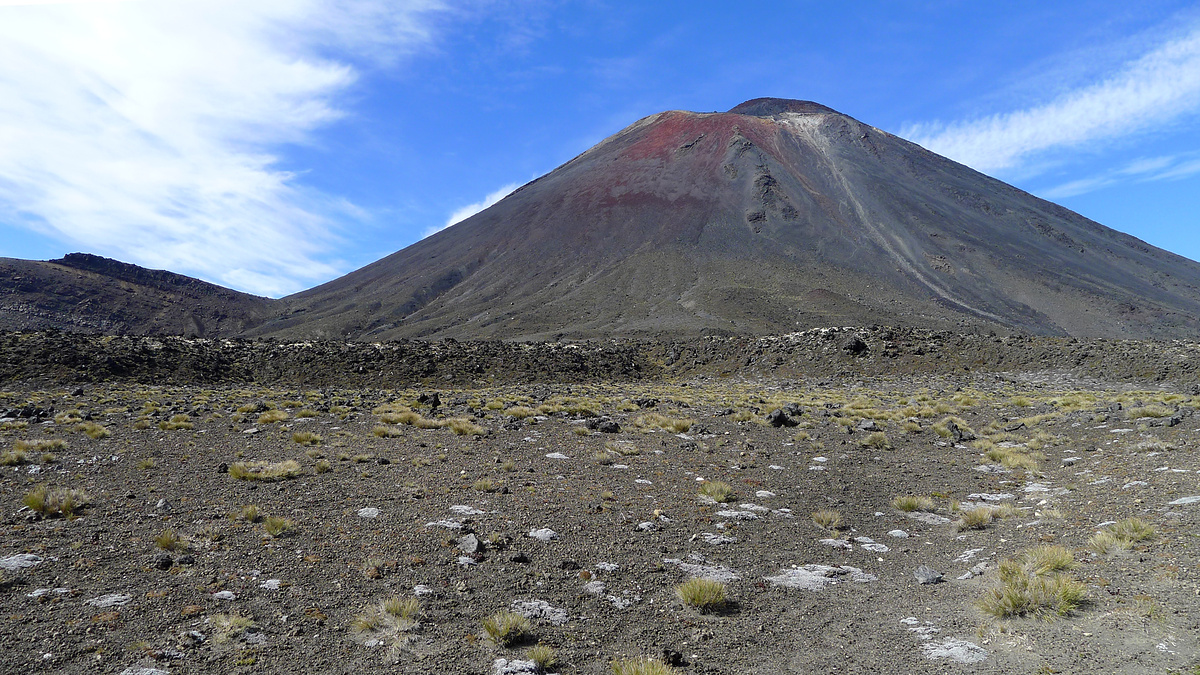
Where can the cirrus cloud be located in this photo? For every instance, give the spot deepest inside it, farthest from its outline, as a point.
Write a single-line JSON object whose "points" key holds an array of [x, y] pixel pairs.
{"points": [[150, 131]]}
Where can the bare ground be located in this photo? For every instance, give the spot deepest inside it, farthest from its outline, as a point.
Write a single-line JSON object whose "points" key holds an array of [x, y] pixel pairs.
{"points": [[625, 512]]}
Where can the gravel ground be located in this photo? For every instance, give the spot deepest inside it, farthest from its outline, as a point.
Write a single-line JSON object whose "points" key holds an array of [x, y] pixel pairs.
{"points": [[589, 532]]}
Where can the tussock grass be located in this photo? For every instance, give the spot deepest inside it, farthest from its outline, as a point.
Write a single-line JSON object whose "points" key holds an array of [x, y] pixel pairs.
{"points": [[170, 540], [177, 422], [908, 503], [485, 485], [251, 514], [1121, 536], [323, 466], [976, 519], [506, 628], [306, 438], [272, 416], [306, 413], [276, 526], [827, 519], [878, 440], [41, 445], [716, 490], [385, 431], [942, 428], [94, 431], [265, 471], [1148, 411], [1035, 583], [641, 665], [655, 420], [14, 457], [705, 595], [462, 426], [1013, 458], [543, 656], [50, 502], [228, 626], [520, 412]]}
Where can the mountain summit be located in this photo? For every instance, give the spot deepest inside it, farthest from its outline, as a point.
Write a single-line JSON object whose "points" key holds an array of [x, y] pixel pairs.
{"points": [[776, 216]]}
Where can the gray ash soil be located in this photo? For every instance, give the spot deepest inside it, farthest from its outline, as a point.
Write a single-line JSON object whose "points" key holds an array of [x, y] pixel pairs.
{"points": [[626, 512]]}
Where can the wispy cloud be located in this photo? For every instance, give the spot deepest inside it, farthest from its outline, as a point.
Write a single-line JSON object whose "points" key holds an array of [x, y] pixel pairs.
{"points": [[1142, 170], [1153, 90], [149, 131], [469, 210]]}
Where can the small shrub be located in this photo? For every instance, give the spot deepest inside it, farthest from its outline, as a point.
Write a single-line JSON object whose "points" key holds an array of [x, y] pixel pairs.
{"points": [[908, 503], [716, 490], [827, 519], [641, 665], [506, 628], [170, 540], [306, 438], [508, 466], [265, 471], [147, 464], [50, 502], [323, 466], [485, 485], [272, 416], [703, 594], [276, 526]]}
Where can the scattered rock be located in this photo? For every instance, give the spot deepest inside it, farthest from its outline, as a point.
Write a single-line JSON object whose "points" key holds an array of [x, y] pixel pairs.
{"points": [[816, 577], [540, 610], [19, 561], [778, 418], [163, 561], [955, 649], [514, 667], [469, 544], [110, 600], [927, 575], [543, 534], [224, 595], [368, 512]]}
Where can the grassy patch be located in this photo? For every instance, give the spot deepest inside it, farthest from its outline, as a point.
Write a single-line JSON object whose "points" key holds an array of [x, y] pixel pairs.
{"points": [[641, 665], [1035, 584], [976, 519], [827, 519], [50, 502], [705, 595], [878, 440], [908, 503], [655, 420], [718, 491], [506, 628], [265, 471], [1122, 535], [306, 438], [94, 431], [170, 540], [385, 431], [462, 426], [276, 526], [272, 416], [228, 626], [176, 422]]}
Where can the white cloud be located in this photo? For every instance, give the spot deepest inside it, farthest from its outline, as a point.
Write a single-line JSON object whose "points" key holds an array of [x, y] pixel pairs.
{"points": [[147, 130], [469, 210], [1142, 170], [1148, 92]]}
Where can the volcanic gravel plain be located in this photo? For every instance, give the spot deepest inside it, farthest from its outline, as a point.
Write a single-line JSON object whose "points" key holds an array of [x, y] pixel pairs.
{"points": [[888, 524]]}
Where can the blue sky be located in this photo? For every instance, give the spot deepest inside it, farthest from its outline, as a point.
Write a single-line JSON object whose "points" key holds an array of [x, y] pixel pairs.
{"points": [[275, 144]]}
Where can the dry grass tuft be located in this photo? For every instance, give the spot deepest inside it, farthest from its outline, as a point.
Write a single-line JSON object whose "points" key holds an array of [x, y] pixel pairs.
{"points": [[506, 628], [265, 471], [641, 665], [94, 431], [827, 519], [272, 416], [50, 502], [976, 519], [170, 540], [908, 503], [877, 440], [1122, 535], [705, 595], [306, 438], [176, 422], [462, 426], [716, 490], [1035, 583], [672, 424], [276, 526]]}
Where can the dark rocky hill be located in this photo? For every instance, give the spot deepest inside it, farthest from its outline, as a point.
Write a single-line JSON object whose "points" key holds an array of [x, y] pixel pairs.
{"points": [[776, 216], [90, 294]]}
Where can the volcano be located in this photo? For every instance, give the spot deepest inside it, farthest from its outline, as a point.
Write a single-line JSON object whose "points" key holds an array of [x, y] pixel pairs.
{"points": [[776, 216]]}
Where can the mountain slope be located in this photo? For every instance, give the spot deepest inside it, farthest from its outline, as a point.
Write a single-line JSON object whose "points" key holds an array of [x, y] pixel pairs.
{"points": [[776, 216], [88, 294]]}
